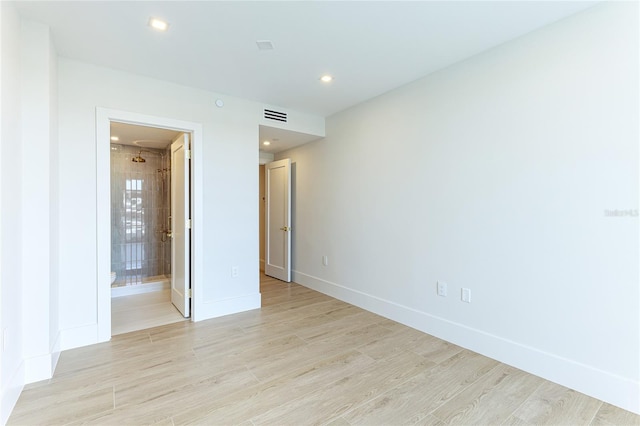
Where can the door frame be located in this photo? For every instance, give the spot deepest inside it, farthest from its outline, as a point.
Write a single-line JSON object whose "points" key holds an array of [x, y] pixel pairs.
{"points": [[181, 233], [104, 117], [286, 272]]}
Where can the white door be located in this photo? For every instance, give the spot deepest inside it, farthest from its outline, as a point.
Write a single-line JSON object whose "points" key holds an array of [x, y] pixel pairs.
{"points": [[277, 254], [180, 226]]}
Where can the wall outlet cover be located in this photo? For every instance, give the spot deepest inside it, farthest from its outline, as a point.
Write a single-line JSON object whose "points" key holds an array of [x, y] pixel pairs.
{"points": [[466, 295], [442, 289]]}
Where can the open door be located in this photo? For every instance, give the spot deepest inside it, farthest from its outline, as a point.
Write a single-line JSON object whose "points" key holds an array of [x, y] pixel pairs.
{"points": [[180, 226], [277, 262]]}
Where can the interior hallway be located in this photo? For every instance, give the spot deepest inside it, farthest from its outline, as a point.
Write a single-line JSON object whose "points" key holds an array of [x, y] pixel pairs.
{"points": [[304, 358]]}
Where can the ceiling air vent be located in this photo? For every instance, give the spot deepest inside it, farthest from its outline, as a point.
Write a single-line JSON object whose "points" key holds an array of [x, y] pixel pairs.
{"points": [[270, 114]]}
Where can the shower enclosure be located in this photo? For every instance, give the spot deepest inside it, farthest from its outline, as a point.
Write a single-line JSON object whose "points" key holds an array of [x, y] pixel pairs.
{"points": [[140, 215]]}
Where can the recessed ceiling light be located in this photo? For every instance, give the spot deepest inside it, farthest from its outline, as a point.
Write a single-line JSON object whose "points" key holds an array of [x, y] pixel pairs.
{"points": [[266, 143], [326, 78], [158, 24], [264, 44], [115, 138]]}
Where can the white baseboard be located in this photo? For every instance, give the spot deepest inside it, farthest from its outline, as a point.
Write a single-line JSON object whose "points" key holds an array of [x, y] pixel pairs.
{"points": [[233, 305], [55, 352], [128, 290], [41, 367], [10, 393], [37, 368], [78, 336], [605, 386]]}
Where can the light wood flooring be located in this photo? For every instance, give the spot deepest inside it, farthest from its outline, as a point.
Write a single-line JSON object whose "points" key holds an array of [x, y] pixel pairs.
{"points": [[304, 358], [142, 311]]}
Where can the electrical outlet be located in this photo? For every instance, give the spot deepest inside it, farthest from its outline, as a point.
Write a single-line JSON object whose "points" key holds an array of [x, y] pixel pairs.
{"points": [[442, 289], [234, 272], [325, 260], [466, 295]]}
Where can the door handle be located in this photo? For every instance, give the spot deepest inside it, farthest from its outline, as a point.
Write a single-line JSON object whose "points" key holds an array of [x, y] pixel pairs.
{"points": [[285, 229]]}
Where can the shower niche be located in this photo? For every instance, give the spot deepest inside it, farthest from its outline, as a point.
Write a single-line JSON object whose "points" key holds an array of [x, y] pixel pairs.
{"points": [[140, 217]]}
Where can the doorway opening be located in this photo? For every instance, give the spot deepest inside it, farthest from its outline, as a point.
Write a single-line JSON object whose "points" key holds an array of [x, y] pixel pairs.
{"points": [[142, 261], [141, 227], [277, 255]]}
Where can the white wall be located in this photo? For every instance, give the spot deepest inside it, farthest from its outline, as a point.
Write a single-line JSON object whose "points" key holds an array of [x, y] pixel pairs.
{"points": [[12, 368], [39, 174], [48, 197], [28, 229], [229, 224], [296, 121], [494, 175], [54, 217], [261, 213]]}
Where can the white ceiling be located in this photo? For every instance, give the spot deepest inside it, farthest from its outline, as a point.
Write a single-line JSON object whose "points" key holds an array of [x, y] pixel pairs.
{"points": [[142, 136], [281, 140], [369, 47]]}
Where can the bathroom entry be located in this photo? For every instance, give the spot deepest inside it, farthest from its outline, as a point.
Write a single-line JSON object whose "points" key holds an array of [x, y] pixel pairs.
{"points": [[140, 210], [149, 256], [180, 224]]}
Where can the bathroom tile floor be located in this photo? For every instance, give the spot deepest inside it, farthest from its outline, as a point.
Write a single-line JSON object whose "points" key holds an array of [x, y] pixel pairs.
{"points": [[142, 311]]}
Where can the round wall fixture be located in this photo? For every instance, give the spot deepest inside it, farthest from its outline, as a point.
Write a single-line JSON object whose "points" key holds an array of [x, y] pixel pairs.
{"points": [[219, 103]]}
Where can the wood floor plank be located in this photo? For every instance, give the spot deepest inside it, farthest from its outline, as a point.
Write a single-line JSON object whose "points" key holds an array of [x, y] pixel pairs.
{"points": [[332, 401], [293, 311], [279, 305], [608, 415], [304, 358], [160, 380], [355, 337], [414, 400], [397, 340], [491, 399], [158, 408], [318, 317], [552, 404], [436, 350], [429, 421], [62, 408], [142, 311], [261, 398], [350, 320], [338, 422], [331, 344], [89, 357]]}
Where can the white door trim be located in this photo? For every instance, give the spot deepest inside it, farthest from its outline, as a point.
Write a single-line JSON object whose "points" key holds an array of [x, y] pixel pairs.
{"points": [[104, 117], [181, 233], [281, 268]]}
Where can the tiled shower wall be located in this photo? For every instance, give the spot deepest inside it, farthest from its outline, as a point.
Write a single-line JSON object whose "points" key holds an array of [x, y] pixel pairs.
{"points": [[140, 209]]}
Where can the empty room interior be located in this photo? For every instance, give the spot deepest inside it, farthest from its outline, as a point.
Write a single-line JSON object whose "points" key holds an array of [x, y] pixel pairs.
{"points": [[320, 212]]}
